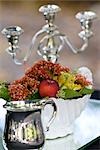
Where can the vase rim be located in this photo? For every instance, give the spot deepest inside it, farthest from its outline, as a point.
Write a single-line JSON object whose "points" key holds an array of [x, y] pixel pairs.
{"points": [[23, 106]]}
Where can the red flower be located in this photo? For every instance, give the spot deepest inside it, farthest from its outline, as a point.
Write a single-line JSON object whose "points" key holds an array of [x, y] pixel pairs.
{"points": [[82, 80], [27, 85], [18, 92]]}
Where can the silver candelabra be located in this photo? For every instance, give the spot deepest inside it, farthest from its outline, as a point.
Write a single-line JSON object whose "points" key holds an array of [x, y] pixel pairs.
{"points": [[51, 39]]}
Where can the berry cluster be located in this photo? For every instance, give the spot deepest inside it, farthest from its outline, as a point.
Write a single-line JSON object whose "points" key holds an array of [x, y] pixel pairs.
{"points": [[45, 70], [82, 80]]}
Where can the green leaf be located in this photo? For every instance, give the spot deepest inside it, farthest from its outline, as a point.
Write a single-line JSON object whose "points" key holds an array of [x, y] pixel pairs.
{"points": [[68, 93], [34, 97], [4, 93], [85, 91], [72, 93]]}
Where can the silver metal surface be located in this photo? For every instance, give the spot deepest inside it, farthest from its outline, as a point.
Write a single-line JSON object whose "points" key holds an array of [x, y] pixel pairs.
{"points": [[12, 34], [88, 121], [51, 40]]}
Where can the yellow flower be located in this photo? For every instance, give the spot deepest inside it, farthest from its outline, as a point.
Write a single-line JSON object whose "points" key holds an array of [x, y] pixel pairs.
{"points": [[62, 78], [68, 80], [66, 77]]}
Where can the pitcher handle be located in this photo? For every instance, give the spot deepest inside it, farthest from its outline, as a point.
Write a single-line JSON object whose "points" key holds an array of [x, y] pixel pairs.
{"points": [[52, 103]]}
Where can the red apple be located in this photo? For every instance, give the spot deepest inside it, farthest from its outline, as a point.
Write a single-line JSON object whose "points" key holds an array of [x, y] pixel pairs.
{"points": [[48, 88]]}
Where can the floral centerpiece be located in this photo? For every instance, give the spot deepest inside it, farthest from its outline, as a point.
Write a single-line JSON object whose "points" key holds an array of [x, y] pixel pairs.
{"points": [[46, 79], [69, 89]]}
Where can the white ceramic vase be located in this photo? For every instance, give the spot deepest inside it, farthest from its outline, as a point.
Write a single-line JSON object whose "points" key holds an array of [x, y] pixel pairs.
{"points": [[67, 112]]}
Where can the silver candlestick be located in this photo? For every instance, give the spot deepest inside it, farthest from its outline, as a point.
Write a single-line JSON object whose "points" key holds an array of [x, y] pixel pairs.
{"points": [[51, 39], [12, 33]]}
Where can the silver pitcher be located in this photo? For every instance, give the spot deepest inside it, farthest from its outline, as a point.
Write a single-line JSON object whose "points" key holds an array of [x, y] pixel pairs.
{"points": [[23, 126]]}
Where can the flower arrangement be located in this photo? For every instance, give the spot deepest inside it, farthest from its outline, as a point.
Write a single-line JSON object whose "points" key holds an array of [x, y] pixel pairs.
{"points": [[47, 79]]}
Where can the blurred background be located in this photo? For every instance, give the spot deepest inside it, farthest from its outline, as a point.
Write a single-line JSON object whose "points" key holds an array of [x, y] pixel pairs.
{"points": [[26, 15]]}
